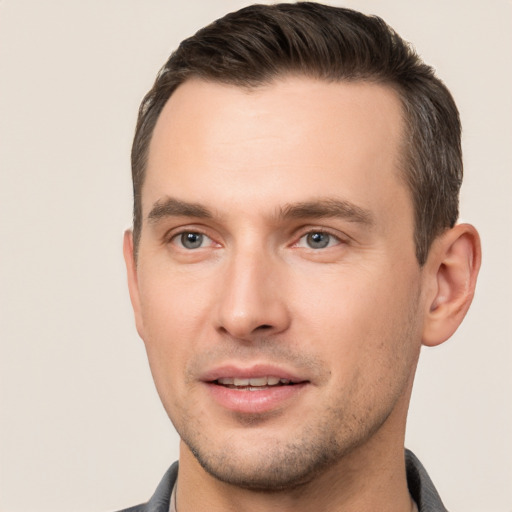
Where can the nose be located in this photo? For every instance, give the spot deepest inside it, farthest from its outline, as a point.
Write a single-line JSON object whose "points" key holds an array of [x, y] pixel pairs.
{"points": [[253, 297]]}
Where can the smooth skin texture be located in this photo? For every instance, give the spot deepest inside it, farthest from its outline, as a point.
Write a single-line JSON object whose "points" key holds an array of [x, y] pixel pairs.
{"points": [[277, 240]]}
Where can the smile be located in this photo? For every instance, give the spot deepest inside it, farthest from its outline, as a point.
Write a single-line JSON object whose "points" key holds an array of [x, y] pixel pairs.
{"points": [[256, 390], [252, 384]]}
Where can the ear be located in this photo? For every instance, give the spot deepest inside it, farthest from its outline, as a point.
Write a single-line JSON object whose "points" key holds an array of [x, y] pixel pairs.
{"points": [[452, 269], [133, 284]]}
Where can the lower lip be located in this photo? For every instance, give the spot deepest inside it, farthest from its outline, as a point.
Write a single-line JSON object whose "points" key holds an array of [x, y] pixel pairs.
{"points": [[254, 402]]}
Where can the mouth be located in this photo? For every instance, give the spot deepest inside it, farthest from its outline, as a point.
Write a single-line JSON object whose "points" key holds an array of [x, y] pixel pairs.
{"points": [[253, 383], [259, 389]]}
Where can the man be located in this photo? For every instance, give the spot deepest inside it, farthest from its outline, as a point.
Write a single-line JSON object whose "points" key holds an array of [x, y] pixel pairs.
{"points": [[296, 171]]}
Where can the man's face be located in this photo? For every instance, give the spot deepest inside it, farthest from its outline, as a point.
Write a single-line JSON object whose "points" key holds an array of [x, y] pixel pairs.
{"points": [[277, 289]]}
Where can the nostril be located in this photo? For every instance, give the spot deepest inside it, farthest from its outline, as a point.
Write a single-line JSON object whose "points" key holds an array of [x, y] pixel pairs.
{"points": [[264, 327]]}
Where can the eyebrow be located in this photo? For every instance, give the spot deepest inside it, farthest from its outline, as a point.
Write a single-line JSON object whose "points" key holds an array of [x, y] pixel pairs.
{"points": [[328, 207], [170, 207], [316, 209]]}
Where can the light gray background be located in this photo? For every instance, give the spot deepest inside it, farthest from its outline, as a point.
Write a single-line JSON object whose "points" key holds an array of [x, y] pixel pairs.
{"points": [[81, 427]]}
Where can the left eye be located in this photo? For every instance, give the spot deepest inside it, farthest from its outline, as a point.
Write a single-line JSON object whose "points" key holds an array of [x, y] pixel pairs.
{"points": [[192, 240], [317, 240]]}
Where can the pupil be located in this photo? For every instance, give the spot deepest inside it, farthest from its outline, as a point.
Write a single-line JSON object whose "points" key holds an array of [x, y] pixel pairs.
{"points": [[318, 240], [191, 240]]}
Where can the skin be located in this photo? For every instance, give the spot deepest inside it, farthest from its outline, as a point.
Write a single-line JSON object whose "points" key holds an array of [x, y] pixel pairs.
{"points": [[263, 176]]}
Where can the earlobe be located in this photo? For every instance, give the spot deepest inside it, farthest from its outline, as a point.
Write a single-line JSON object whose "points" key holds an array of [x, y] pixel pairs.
{"points": [[131, 273], [454, 262]]}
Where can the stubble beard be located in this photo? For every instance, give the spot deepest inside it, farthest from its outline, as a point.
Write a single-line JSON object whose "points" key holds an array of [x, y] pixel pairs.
{"points": [[280, 466]]}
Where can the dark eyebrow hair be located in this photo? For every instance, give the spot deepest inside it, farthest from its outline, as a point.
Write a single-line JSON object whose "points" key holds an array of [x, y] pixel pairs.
{"points": [[316, 209], [170, 207], [327, 208]]}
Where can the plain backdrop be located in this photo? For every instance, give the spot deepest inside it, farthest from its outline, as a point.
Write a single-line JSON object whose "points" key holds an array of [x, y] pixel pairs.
{"points": [[81, 426]]}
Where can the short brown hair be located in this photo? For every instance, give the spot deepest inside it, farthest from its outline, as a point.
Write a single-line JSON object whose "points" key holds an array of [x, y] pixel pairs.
{"points": [[258, 43]]}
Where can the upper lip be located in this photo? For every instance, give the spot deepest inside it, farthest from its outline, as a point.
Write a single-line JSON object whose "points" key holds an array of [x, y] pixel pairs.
{"points": [[250, 372]]}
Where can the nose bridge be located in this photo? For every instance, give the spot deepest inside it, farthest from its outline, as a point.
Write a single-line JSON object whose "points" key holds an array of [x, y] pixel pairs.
{"points": [[252, 300]]}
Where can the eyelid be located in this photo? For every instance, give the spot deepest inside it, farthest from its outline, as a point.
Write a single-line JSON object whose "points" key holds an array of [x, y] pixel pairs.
{"points": [[174, 233], [304, 231]]}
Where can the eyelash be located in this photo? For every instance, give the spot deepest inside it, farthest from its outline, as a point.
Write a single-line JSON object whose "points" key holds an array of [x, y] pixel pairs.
{"points": [[320, 231], [176, 236], [177, 239]]}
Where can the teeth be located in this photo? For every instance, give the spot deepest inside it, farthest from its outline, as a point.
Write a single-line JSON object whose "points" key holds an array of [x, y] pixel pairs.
{"points": [[259, 381], [254, 382]]}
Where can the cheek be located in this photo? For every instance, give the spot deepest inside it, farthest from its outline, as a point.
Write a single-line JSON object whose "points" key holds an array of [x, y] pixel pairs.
{"points": [[174, 320], [358, 318], [369, 339], [173, 302]]}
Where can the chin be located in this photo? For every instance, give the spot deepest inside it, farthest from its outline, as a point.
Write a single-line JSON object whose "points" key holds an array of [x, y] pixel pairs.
{"points": [[270, 465], [272, 471]]}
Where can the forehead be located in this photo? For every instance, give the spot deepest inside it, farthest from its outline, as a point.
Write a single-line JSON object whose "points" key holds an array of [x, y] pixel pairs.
{"points": [[292, 137]]}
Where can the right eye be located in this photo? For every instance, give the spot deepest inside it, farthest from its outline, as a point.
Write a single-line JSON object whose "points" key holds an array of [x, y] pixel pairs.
{"points": [[192, 240]]}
